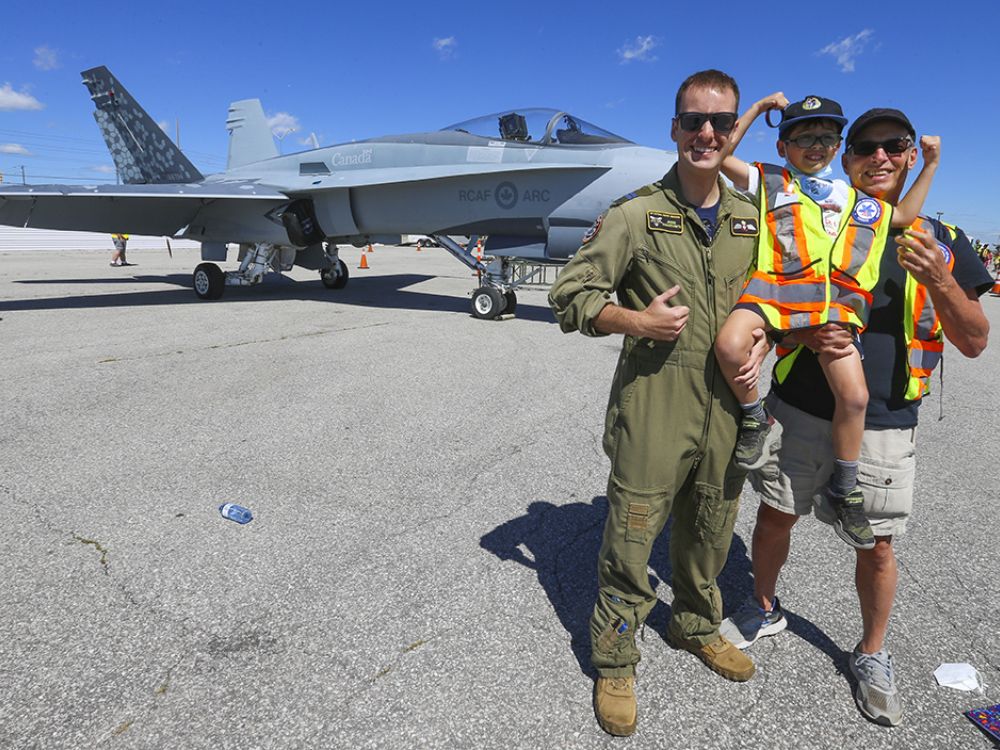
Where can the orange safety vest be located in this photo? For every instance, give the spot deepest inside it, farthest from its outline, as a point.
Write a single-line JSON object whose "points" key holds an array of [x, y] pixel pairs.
{"points": [[805, 277]]}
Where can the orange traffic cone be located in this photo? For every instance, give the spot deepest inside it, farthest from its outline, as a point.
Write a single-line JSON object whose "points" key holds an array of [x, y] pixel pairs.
{"points": [[371, 248], [364, 260]]}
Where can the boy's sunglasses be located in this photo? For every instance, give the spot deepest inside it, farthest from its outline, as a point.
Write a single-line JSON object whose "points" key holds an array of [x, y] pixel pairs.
{"points": [[692, 122], [893, 146], [808, 140]]}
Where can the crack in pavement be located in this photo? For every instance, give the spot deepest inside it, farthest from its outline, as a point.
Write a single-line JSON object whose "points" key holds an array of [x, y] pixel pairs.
{"points": [[236, 344]]}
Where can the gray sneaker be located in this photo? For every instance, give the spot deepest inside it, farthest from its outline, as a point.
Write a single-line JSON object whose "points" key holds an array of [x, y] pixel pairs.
{"points": [[876, 696], [751, 622]]}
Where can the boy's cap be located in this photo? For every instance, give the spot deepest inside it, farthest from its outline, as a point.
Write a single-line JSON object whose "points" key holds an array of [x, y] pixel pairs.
{"points": [[874, 115], [810, 108]]}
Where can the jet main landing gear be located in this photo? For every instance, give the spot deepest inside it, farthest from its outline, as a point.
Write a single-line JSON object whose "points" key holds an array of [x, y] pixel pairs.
{"points": [[488, 302], [209, 281], [335, 277]]}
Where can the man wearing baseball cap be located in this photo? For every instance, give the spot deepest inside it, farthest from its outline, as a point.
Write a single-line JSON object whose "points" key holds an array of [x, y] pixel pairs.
{"points": [[928, 289]]}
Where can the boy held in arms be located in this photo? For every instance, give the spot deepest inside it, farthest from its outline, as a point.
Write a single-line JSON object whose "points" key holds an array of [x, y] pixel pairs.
{"points": [[818, 253]]}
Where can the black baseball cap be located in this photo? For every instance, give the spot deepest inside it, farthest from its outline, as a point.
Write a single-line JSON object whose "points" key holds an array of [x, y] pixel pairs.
{"points": [[810, 108], [876, 115]]}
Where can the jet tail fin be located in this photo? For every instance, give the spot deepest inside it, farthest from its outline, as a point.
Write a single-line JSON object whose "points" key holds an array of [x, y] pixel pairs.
{"points": [[250, 138], [142, 152]]}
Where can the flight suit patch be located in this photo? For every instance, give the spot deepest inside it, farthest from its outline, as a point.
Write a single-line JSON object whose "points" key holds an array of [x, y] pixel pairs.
{"points": [[594, 229], [743, 227], [636, 523], [656, 221]]}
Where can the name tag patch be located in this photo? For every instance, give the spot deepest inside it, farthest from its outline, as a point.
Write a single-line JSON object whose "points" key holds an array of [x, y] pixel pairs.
{"points": [[743, 227], [657, 221]]}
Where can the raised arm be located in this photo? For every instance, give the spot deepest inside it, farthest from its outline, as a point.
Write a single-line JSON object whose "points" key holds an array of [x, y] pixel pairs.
{"points": [[909, 208], [733, 167]]}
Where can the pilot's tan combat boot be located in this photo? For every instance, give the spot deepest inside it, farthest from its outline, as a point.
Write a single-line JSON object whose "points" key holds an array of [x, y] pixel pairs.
{"points": [[614, 705], [720, 656]]}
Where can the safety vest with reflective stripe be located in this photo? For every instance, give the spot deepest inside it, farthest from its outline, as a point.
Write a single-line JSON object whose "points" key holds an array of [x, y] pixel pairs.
{"points": [[805, 277], [921, 327]]}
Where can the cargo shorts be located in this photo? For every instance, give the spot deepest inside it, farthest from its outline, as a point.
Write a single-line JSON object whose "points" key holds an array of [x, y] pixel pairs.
{"points": [[800, 466]]}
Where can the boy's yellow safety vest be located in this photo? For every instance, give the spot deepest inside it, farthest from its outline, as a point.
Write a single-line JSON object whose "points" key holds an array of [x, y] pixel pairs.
{"points": [[921, 327], [805, 277]]}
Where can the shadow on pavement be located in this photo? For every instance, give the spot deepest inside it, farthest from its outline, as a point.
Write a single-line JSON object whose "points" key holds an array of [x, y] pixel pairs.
{"points": [[385, 292], [561, 543]]}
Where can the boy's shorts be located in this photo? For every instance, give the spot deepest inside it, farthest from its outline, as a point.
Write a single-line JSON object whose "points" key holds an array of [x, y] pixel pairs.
{"points": [[796, 472]]}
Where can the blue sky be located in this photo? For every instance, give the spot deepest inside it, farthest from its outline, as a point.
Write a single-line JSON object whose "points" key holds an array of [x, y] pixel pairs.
{"points": [[353, 71]]}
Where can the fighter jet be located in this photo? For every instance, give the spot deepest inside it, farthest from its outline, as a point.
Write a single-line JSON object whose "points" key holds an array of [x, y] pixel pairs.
{"points": [[529, 181]]}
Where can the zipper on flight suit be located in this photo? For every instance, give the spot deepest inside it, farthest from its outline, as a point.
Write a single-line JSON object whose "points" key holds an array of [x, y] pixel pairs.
{"points": [[709, 266]]}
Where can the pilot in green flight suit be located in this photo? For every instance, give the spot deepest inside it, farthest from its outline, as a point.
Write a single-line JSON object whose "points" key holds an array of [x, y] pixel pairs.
{"points": [[671, 421]]}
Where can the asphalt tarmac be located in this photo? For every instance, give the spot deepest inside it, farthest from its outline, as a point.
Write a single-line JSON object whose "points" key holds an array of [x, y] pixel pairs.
{"points": [[428, 492]]}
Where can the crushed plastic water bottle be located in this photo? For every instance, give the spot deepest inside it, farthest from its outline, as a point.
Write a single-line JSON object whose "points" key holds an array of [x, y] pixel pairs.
{"points": [[235, 512]]}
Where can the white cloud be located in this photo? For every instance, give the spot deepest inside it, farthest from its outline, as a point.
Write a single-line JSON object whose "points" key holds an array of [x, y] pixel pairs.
{"points": [[445, 47], [13, 100], [14, 148], [46, 58], [847, 50], [641, 49], [103, 169], [282, 123]]}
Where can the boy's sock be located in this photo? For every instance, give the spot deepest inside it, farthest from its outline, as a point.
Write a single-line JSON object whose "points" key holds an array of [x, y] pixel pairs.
{"points": [[845, 477], [756, 411]]}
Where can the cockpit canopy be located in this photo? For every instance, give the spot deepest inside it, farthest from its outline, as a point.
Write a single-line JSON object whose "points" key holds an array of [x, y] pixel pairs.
{"points": [[540, 126]]}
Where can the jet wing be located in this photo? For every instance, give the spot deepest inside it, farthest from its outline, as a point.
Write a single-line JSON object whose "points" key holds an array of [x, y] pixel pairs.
{"points": [[349, 178], [162, 209]]}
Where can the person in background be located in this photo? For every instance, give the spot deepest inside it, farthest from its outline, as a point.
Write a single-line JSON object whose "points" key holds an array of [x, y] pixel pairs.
{"points": [[118, 256]]}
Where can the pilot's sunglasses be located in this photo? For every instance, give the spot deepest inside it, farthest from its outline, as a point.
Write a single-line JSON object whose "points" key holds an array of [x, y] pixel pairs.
{"points": [[692, 122], [808, 140], [893, 146]]}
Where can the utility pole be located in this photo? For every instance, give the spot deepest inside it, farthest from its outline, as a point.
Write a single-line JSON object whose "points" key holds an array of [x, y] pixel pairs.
{"points": [[23, 180], [939, 215]]}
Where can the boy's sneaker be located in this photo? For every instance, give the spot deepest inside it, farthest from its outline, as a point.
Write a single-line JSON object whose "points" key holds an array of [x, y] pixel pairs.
{"points": [[751, 622], [752, 442], [876, 696], [851, 524]]}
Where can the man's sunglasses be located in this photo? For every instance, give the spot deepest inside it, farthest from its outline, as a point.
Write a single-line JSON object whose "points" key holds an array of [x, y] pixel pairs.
{"points": [[692, 122], [894, 146], [808, 140]]}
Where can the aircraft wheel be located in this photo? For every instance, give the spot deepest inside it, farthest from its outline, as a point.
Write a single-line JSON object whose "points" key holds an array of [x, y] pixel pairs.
{"points": [[335, 281], [511, 300], [487, 302], [209, 281]]}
